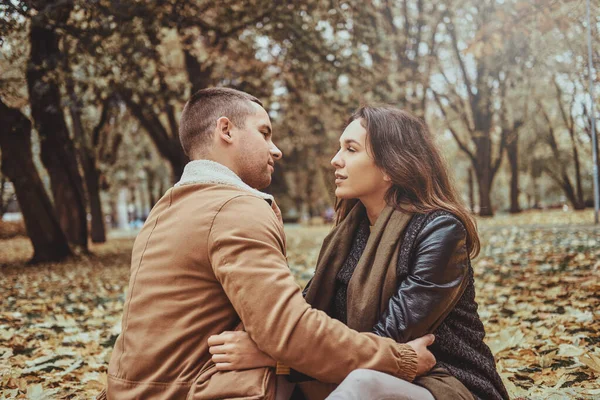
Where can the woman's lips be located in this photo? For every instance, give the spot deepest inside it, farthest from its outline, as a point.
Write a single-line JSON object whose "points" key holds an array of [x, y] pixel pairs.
{"points": [[339, 179]]}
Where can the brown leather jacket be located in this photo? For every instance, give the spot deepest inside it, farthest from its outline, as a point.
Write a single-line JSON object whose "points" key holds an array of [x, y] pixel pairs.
{"points": [[208, 256]]}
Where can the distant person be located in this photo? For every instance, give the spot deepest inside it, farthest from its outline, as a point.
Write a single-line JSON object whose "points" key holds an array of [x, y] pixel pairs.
{"points": [[397, 263], [329, 215], [212, 254]]}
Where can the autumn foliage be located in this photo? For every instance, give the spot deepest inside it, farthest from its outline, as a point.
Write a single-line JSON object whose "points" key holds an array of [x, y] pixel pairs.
{"points": [[536, 281]]}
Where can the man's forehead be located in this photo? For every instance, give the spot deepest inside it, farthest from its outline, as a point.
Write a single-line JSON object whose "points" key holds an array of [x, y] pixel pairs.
{"points": [[260, 116]]}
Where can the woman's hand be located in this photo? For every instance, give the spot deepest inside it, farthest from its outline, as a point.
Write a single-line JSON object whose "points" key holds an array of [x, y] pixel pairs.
{"points": [[235, 350]]}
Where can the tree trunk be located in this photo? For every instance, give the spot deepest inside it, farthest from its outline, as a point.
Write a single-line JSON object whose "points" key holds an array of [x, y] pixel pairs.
{"points": [[3, 205], [536, 192], [580, 202], [198, 76], [485, 201], [471, 190], [161, 189], [90, 170], [485, 175], [512, 151], [134, 210], [562, 177], [567, 187], [565, 184], [57, 149], [150, 186], [92, 183], [48, 239], [166, 143]]}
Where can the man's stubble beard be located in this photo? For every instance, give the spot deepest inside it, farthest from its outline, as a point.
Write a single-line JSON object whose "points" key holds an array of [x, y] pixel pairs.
{"points": [[265, 181], [258, 179]]}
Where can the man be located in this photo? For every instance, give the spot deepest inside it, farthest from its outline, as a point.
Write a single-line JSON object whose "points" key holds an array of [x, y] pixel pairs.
{"points": [[212, 253]]}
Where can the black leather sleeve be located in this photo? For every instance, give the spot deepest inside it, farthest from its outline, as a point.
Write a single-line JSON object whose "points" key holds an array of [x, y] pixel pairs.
{"points": [[437, 278]]}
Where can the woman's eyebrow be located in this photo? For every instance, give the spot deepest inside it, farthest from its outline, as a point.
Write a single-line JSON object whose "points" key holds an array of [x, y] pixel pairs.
{"points": [[350, 141]]}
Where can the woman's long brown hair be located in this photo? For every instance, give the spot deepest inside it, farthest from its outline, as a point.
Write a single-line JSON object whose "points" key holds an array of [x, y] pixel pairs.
{"points": [[403, 148]]}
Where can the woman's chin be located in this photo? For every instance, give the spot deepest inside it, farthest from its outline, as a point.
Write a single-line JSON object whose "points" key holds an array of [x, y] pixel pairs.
{"points": [[341, 194]]}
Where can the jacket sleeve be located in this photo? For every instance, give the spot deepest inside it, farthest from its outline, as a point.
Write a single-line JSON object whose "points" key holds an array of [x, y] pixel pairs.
{"points": [[435, 282], [246, 250]]}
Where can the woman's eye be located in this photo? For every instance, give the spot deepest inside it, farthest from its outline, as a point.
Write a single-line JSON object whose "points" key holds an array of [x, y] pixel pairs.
{"points": [[351, 150]]}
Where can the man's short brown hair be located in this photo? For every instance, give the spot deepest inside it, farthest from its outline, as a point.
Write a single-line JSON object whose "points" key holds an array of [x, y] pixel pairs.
{"points": [[204, 108]]}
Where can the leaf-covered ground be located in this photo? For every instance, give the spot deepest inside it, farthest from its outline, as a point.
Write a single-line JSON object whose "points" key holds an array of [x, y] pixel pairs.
{"points": [[537, 283]]}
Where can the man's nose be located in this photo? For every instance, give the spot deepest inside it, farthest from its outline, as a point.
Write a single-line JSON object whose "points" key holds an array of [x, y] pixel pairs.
{"points": [[276, 153]]}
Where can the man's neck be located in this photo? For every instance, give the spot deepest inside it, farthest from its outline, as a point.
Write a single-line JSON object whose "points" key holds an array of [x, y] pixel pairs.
{"points": [[209, 171], [227, 162]]}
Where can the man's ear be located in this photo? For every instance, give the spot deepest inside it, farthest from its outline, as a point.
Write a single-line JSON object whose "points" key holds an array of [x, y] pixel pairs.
{"points": [[224, 127]]}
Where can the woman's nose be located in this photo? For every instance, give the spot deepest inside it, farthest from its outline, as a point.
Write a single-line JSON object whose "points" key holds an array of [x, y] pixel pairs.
{"points": [[336, 161]]}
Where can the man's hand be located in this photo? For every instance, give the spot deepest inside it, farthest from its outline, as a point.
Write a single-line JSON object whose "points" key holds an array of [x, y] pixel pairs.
{"points": [[425, 360], [235, 350]]}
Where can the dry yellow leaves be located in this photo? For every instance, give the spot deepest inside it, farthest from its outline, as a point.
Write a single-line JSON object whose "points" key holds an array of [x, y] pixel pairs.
{"points": [[537, 288]]}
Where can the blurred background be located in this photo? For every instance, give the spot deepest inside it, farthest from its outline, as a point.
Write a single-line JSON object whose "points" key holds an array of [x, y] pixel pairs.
{"points": [[90, 97], [95, 90]]}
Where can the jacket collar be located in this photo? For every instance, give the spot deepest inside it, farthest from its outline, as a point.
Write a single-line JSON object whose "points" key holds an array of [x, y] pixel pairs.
{"points": [[211, 172]]}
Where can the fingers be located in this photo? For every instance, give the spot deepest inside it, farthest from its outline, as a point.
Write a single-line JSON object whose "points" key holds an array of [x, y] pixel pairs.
{"points": [[224, 367], [429, 339], [215, 340], [221, 349], [221, 358], [221, 338], [431, 360], [426, 340]]}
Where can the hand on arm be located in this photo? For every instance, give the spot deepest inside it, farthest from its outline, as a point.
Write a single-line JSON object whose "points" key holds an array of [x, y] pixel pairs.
{"points": [[235, 351], [425, 360], [246, 251]]}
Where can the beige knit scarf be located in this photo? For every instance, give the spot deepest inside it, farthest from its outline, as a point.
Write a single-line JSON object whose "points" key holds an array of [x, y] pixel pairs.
{"points": [[374, 279]]}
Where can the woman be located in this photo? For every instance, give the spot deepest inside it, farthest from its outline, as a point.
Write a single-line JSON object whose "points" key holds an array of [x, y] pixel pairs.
{"points": [[397, 262]]}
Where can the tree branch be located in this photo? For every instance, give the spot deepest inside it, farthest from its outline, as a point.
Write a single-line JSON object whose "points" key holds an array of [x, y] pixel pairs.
{"points": [[463, 114], [559, 95], [460, 143], [151, 123], [461, 63], [101, 122]]}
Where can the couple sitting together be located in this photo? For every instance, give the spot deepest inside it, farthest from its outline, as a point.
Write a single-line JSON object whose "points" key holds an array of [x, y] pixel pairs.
{"points": [[213, 311]]}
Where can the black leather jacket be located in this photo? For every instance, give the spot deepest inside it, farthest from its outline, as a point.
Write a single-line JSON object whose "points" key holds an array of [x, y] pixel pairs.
{"points": [[436, 294], [435, 282]]}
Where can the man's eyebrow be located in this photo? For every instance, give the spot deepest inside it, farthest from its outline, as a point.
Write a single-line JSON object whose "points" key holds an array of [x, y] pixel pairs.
{"points": [[265, 127]]}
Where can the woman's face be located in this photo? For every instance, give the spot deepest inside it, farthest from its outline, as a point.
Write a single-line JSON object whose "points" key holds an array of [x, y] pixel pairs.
{"points": [[356, 175]]}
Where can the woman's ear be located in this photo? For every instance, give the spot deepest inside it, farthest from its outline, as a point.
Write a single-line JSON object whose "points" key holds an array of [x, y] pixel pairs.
{"points": [[386, 178], [224, 127]]}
